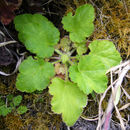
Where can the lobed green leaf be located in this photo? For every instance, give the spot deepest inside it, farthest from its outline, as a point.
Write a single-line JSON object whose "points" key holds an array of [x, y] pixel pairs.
{"points": [[89, 74], [81, 24], [22, 109], [4, 110], [67, 100], [37, 33], [34, 75], [17, 100]]}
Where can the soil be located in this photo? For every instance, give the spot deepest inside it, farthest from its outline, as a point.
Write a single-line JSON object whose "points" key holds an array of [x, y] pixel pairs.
{"points": [[111, 23]]}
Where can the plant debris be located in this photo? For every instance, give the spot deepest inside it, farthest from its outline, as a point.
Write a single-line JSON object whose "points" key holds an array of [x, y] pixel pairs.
{"points": [[7, 9]]}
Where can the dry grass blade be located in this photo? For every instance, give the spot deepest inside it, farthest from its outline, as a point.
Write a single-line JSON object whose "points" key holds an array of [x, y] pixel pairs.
{"points": [[119, 117], [6, 43], [127, 95], [124, 107], [122, 71], [100, 109], [16, 68], [89, 119]]}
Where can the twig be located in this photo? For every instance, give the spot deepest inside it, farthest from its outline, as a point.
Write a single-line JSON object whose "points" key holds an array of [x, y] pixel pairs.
{"points": [[16, 68], [124, 107], [127, 95], [122, 75], [124, 3], [100, 108], [6, 43], [47, 2], [123, 69], [89, 119], [2, 33], [7, 32], [119, 117], [118, 66], [111, 103]]}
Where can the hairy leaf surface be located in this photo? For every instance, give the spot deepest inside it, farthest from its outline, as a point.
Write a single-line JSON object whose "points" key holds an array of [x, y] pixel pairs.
{"points": [[34, 75], [89, 74], [67, 100], [81, 24], [37, 33]]}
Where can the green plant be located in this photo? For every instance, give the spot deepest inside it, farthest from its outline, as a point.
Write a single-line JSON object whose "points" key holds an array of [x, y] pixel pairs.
{"points": [[11, 104], [3, 109], [84, 73], [22, 109]]}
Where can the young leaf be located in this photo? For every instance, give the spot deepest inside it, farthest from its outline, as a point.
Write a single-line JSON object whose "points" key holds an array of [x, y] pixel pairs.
{"points": [[37, 33], [4, 110], [22, 109], [81, 24], [10, 97], [80, 48], [1, 102], [17, 100], [34, 75], [65, 44], [89, 74], [67, 100]]}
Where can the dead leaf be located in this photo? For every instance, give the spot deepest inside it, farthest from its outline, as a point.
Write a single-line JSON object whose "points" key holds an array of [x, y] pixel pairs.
{"points": [[7, 8]]}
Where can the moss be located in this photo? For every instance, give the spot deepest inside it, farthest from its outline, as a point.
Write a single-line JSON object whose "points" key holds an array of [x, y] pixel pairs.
{"points": [[2, 123], [112, 22], [13, 122]]}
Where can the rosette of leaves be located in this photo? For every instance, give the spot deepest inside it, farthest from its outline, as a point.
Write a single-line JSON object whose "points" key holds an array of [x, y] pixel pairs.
{"points": [[37, 33], [81, 24], [90, 72], [87, 75]]}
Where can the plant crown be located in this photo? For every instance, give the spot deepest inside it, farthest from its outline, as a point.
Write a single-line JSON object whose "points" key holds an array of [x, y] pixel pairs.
{"points": [[84, 73]]}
